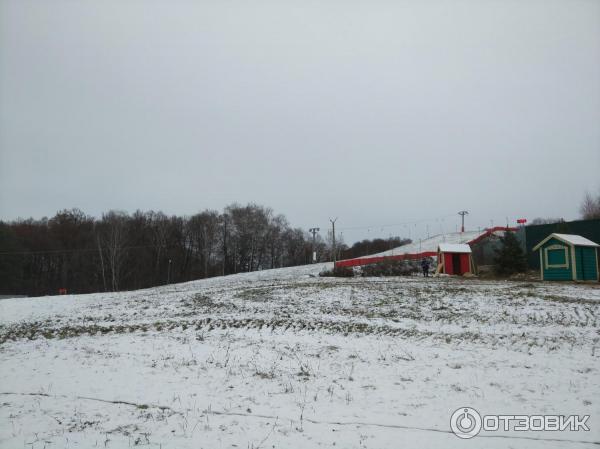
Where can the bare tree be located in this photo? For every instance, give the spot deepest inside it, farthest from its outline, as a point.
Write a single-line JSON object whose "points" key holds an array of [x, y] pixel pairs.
{"points": [[113, 237], [203, 229], [590, 206], [160, 226]]}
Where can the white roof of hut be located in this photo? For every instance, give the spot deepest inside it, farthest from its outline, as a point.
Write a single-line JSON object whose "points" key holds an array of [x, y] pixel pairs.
{"points": [[570, 239], [454, 248]]}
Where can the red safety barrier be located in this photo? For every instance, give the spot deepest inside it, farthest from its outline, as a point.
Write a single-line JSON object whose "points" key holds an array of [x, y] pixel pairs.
{"points": [[369, 260], [489, 232]]}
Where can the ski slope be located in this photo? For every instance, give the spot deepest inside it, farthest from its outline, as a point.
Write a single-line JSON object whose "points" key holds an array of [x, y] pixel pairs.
{"points": [[424, 248], [431, 244]]}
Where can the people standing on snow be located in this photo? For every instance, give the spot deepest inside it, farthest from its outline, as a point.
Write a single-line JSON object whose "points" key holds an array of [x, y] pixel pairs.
{"points": [[425, 266]]}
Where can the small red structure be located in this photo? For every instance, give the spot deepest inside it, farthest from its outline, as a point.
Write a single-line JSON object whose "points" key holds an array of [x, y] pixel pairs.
{"points": [[62, 291], [454, 258]]}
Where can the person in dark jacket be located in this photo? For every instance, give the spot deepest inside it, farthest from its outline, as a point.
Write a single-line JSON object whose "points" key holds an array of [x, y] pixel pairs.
{"points": [[425, 266]]}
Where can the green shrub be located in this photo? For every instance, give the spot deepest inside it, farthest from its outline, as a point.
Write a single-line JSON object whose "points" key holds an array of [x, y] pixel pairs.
{"points": [[338, 272]]}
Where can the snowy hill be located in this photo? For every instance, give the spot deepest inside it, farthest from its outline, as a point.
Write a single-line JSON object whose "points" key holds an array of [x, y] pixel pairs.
{"points": [[282, 358], [431, 244]]}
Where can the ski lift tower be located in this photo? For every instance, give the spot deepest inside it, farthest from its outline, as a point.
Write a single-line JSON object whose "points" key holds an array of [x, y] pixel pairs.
{"points": [[462, 214]]}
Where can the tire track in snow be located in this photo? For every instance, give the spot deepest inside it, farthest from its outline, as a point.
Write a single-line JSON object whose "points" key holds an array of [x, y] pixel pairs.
{"points": [[294, 420]]}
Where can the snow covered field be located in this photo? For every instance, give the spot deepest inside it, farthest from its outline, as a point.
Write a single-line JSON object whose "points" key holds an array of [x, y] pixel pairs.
{"points": [[284, 359]]}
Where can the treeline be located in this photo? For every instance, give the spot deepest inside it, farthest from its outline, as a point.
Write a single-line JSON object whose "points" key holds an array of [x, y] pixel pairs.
{"points": [[122, 251], [366, 247]]}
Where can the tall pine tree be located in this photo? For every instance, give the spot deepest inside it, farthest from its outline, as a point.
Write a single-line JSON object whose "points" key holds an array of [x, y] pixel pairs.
{"points": [[510, 257]]}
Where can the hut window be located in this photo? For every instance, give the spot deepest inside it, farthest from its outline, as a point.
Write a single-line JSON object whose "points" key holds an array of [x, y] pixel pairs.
{"points": [[556, 256]]}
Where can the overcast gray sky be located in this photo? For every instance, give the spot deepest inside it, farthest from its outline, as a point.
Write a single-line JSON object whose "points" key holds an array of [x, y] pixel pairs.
{"points": [[379, 112]]}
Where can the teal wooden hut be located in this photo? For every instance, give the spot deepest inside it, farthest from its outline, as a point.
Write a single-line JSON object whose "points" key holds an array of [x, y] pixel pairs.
{"points": [[567, 257]]}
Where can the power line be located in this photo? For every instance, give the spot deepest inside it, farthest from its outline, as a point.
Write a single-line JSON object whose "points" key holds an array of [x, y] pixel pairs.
{"points": [[423, 220]]}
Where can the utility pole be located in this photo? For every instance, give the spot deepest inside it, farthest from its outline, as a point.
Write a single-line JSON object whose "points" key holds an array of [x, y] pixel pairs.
{"points": [[314, 253], [333, 237], [462, 214]]}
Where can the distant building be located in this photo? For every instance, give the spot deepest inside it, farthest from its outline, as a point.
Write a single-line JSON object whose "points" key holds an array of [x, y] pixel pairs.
{"points": [[568, 257]]}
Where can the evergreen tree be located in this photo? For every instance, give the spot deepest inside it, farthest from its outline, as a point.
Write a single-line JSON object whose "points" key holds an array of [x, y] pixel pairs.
{"points": [[510, 257]]}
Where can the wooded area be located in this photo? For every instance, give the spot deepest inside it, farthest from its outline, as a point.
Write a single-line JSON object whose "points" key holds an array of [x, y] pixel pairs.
{"points": [[122, 251]]}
